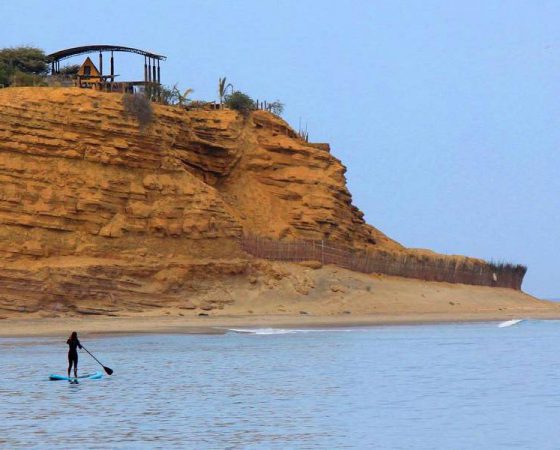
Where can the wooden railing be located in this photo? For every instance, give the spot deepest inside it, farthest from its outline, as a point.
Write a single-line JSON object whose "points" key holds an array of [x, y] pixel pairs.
{"points": [[424, 267]]}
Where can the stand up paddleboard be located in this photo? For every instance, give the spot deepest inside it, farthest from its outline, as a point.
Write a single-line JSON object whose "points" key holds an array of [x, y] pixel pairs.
{"points": [[92, 376]]}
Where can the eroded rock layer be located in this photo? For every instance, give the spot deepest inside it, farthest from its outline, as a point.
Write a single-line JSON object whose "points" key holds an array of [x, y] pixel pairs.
{"points": [[71, 160]]}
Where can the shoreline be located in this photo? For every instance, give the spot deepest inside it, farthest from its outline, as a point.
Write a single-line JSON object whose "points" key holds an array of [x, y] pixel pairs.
{"points": [[327, 297], [106, 326]]}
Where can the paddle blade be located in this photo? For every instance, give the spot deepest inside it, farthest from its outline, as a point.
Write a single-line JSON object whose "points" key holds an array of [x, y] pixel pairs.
{"points": [[108, 370]]}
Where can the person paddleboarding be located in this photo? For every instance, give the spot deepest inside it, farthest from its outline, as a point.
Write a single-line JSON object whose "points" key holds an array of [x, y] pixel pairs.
{"points": [[73, 344]]}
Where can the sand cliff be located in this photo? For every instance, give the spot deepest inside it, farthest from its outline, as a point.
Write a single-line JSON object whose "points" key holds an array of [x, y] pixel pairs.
{"points": [[100, 216]]}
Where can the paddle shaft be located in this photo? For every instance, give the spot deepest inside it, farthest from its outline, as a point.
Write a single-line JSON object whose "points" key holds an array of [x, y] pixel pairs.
{"points": [[107, 369]]}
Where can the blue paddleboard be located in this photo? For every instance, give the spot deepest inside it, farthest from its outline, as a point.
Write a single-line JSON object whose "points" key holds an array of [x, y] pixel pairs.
{"points": [[92, 376]]}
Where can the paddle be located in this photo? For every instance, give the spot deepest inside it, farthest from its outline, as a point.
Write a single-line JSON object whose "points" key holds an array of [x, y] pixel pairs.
{"points": [[107, 369]]}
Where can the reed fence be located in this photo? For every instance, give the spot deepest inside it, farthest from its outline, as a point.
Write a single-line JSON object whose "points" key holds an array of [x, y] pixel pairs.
{"points": [[423, 267]]}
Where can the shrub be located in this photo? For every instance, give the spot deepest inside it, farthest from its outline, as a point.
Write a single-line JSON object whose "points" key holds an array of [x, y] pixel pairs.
{"points": [[139, 107], [167, 95], [276, 107], [160, 93], [69, 70], [19, 78], [4, 76], [240, 102]]}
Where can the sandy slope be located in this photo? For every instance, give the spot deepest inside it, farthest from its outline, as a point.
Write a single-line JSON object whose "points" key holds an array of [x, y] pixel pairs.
{"points": [[298, 296]]}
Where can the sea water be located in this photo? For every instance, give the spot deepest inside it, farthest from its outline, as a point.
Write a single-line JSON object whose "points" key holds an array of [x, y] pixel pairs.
{"points": [[461, 386]]}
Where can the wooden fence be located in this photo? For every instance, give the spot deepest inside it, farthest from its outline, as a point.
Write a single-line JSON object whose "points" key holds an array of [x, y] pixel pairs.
{"points": [[424, 267]]}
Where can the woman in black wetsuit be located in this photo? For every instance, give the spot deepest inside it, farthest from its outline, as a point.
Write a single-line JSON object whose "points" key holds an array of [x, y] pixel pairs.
{"points": [[73, 343]]}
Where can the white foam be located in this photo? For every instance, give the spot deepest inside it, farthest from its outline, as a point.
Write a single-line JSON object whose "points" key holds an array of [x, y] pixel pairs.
{"points": [[269, 331], [262, 331], [510, 323]]}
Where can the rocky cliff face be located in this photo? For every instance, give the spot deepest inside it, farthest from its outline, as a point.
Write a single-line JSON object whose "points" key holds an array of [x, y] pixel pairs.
{"points": [[72, 161], [93, 208]]}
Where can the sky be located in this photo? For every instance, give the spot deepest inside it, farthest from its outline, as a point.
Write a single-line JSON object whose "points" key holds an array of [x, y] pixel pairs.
{"points": [[446, 113]]}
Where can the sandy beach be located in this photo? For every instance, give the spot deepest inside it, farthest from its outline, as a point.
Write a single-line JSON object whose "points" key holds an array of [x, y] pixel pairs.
{"points": [[219, 325], [333, 297]]}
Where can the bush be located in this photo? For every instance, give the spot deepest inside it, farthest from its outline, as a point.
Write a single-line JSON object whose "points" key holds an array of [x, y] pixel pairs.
{"points": [[168, 96], [240, 102], [69, 70], [23, 66], [19, 78], [276, 107], [139, 107], [164, 94], [4, 76], [158, 92]]}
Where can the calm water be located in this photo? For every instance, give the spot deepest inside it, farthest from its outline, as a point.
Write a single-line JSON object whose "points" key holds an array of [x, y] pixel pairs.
{"points": [[451, 387]]}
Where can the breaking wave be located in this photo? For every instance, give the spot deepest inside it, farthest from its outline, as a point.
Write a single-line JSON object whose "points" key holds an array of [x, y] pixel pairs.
{"points": [[270, 331], [510, 323]]}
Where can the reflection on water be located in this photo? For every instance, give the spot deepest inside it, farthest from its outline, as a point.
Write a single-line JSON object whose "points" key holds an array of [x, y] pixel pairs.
{"points": [[423, 387]]}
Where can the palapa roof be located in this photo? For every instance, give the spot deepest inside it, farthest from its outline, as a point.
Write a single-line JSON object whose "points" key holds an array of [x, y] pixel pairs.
{"points": [[69, 52]]}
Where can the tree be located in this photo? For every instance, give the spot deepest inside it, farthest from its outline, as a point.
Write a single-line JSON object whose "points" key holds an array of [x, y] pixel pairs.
{"points": [[222, 89], [240, 102], [25, 65], [181, 99], [25, 59]]}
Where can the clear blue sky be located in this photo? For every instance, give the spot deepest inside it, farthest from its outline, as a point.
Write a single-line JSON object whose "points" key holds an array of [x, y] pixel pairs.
{"points": [[446, 113]]}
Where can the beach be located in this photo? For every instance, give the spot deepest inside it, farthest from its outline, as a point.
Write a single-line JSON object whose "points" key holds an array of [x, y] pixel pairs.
{"points": [[219, 325], [337, 298]]}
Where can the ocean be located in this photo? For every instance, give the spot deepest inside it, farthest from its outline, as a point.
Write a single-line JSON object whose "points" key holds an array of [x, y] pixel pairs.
{"points": [[448, 386]]}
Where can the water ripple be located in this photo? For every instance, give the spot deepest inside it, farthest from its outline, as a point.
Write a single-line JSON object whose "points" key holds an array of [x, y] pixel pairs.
{"points": [[429, 387]]}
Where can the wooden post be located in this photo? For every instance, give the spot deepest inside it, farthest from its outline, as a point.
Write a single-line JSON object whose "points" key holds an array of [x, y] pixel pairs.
{"points": [[154, 77], [112, 68], [100, 63], [158, 73], [145, 70]]}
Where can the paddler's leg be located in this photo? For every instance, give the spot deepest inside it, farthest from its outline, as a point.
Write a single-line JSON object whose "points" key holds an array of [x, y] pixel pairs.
{"points": [[76, 365]]}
